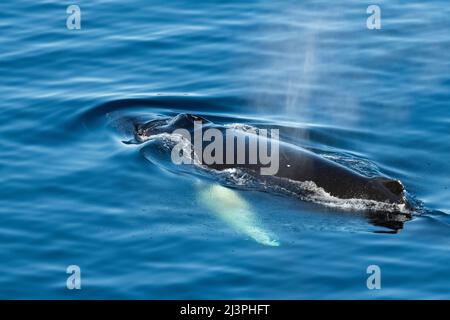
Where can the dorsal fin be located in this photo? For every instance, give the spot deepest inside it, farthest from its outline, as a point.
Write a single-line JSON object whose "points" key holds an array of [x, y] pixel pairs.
{"points": [[395, 186]]}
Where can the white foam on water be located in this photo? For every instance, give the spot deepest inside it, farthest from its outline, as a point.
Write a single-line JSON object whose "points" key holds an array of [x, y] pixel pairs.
{"points": [[170, 140], [241, 127]]}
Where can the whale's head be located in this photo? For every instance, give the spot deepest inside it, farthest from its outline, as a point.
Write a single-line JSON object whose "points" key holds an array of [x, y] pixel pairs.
{"points": [[143, 131], [387, 190]]}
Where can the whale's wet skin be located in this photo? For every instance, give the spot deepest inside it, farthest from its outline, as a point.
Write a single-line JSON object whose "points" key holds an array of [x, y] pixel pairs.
{"points": [[292, 163], [326, 179]]}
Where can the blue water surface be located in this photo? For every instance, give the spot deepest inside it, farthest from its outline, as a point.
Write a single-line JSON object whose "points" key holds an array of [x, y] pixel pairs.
{"points": [[73, 193]]}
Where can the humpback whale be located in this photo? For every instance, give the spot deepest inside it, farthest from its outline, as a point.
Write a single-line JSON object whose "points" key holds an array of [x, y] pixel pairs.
{"points": [[296, 164]]}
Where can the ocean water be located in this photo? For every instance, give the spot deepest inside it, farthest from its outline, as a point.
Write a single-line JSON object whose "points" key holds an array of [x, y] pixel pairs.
{"points": [[73, 193]]}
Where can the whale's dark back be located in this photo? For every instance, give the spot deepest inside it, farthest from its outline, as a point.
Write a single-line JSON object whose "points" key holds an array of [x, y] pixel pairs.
{"points": [[295, 163]]}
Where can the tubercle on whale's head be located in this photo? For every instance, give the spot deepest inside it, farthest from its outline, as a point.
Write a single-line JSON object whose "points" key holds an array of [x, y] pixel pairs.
{"points": [[387, 190], [144, 131]]}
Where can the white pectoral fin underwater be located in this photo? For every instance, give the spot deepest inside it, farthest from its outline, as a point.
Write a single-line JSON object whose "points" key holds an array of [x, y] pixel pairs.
{"points": [[235, 211], [171, 143]]}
